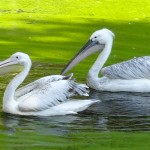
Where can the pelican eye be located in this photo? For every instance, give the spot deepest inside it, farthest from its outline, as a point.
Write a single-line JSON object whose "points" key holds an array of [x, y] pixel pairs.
{"points": [[17, 57]]}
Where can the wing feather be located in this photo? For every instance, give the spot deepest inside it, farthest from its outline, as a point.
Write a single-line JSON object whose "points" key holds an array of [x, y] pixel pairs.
{"points": [[39, 83], [48, 93], [136, 68]]}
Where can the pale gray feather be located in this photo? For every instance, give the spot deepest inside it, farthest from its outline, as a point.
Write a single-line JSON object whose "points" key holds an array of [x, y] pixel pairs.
{"points": [[136, 68], [39, 83], [48, 92]]}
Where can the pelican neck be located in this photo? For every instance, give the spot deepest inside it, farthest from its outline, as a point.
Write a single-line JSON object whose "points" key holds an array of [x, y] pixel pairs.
{"points": [[100, 61], [15, 82]]}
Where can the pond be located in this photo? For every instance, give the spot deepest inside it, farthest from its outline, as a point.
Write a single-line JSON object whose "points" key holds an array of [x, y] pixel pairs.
{"points": [[52, 37], [123, 112]]}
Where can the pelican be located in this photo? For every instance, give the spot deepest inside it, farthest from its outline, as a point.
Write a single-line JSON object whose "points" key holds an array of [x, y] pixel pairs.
{"points": [[130, 76], [46, 96]]}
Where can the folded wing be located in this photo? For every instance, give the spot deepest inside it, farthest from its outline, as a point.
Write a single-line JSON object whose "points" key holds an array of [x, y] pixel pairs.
{"points": [[48, 92], [136, 68]]}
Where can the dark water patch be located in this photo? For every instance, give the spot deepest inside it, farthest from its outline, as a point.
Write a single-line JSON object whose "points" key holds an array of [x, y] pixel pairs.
{"points": [[123, 103]]}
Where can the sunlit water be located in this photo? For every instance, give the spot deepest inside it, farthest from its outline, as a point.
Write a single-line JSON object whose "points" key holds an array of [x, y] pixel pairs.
{"points": [[116, 112]]}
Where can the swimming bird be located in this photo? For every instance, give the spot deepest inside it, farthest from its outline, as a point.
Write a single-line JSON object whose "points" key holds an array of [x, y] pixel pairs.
{"points": [[131, 76], [47, 96]]}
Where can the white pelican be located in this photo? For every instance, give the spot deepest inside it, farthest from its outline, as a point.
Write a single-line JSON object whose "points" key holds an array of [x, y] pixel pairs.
{"points": [[132, 75], [47, 96]]}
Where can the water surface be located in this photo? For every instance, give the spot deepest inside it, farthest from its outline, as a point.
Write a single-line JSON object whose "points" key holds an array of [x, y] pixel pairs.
{"points": [[122, 111], [51, 37]]}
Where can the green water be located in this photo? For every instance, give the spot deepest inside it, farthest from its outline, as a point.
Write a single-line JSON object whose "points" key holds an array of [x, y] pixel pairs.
{"points": [[51, 32]]}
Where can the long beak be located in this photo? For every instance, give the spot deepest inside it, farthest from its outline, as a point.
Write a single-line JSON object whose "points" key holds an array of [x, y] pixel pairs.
{"points": [[7, 62], [89, 48], [9, 65]]}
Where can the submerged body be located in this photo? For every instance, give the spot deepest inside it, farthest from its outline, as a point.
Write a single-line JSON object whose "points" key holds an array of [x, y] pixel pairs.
{"points": [[47, 96], [130, 76], [118, 85]]}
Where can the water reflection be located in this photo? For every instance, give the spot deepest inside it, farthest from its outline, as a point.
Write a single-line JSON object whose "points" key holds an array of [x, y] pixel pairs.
{"points": [[44, 125], [117, 111], [122, 103], [124, 110]]}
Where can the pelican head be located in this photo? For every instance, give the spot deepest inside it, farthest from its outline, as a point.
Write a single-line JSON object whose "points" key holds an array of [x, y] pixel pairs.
{"points": [[14, 63], [96, 42]]}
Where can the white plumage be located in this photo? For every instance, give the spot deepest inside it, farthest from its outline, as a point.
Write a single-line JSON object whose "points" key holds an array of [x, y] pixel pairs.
{"points": [[131, 76], [44, 97]]}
